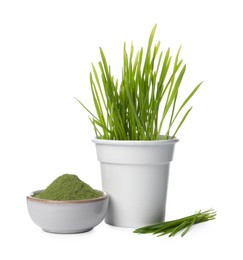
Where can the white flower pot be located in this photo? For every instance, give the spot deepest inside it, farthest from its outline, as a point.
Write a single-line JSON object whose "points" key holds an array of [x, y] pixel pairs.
{"points": [[135, 175]]}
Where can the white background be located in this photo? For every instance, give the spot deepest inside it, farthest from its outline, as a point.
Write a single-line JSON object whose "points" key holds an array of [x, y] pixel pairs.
{"points": [[46, 50]]}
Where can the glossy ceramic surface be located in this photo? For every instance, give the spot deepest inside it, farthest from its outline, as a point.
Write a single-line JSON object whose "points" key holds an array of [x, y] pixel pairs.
{"points": [[74, 216]]}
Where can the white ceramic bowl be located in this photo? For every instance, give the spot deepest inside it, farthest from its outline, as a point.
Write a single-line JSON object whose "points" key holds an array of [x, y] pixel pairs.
{"points": [[71, 216]]}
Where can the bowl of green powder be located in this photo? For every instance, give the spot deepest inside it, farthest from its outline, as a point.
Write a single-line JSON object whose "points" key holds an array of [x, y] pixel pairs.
{"points": [[67, 205]]}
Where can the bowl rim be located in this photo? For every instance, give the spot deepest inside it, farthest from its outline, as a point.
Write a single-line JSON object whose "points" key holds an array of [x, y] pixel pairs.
{"points": [[32, 198]]}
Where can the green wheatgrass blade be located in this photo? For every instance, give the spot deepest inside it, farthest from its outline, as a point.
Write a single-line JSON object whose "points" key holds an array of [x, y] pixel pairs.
{"points": [[148, 105], [144, 93], [177, 58], [173, 95], [112, 97], [96, 99], [118, 124], [98, 106], [172, 83], [173, 227], [182, 121], [189, 97], [150, 42], [123, 106], [129, 89], [174, 90], [171, 118], [99, 86], [177, 229], [155, 53], [135, 66], [97, 132], [86, 108], [183, 104], [165, 67], [193, 221], [133, 109], [154, 72], [101, 125], [104, 62], [165, 88], [131, 61], [141, 83], [176, 67]]}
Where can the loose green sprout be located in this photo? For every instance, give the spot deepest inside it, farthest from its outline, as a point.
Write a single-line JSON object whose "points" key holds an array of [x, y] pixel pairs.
{"points": [[173, 227]]}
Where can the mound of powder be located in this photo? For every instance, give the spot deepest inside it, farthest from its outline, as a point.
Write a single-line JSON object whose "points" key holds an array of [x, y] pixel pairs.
{"points": [[68, 187]]}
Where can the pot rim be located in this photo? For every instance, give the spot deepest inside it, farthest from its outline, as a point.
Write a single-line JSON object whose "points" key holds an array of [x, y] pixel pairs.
{"points": [[136, 142], [32, 197]]}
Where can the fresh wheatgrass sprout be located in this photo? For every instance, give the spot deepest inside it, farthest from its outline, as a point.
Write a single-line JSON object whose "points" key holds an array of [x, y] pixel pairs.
{"points": [[173, 227], [144, 104]]}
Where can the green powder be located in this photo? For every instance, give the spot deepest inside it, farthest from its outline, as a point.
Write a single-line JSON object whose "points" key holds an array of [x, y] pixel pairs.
{"points": [[68, 187]]}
